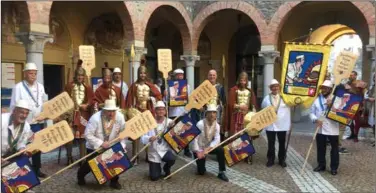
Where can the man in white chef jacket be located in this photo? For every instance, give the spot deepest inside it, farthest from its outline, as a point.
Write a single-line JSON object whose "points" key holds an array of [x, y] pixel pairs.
{"points": [[329, 130], [116, 80], [103, 126], [278, 128], [31, 90], [159, 150], [15, 130], [208, 139]]}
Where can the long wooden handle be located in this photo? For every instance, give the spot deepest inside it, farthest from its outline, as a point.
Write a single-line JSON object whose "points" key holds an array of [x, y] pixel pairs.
{"points": [[233, 136], [309, 150], [15, 155]]}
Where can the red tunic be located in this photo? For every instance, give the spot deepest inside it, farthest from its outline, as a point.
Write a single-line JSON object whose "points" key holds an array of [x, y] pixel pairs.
{"points": [[103, 93], [80, 116]]}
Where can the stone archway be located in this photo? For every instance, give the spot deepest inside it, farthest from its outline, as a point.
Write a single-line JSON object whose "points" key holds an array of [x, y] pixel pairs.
{"points": [[14, 18]]}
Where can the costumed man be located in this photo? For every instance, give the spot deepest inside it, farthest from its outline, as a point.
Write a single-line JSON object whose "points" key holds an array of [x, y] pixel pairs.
{"points": [[219, 100], [159, 150], [32, 91], [278, 128], [241, 100], [294, 70], [328, 129], [117, 81], [141, 96], [207, 140], [103, 127], [82, 96], [350, 84], [107, 90], [174, 112]]}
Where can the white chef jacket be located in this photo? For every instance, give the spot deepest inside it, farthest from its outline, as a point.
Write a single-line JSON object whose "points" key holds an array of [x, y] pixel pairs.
{"points": [[94, 132], [371, 116], [156, 151], [124, 92], [283, 122], [26, 134], [177, 111], [19, 92], [329, 127], [216, 140]]}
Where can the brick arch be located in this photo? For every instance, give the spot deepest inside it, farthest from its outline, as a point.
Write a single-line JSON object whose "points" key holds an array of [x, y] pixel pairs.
{"points": [[22, 16], [279, 18], [254, 14], [184, 24]]}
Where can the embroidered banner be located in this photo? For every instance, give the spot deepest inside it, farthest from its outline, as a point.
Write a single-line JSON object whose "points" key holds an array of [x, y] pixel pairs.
{"points": [[18, 176], [303, 70], [110, 163], [177, 92], [238, 150], [181, 134], [344, 106]]}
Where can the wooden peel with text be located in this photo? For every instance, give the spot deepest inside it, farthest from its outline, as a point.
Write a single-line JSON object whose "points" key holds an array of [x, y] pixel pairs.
{"points": [[87, 55], [134, 128], [197, 99], [55, 107], [343, 67], [259, 121], [48, 139]]}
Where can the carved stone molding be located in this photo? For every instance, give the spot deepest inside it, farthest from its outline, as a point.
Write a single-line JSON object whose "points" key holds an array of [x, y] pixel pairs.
{"points": [[190, 59], [34, 42], [269, 56], [139, 51]]}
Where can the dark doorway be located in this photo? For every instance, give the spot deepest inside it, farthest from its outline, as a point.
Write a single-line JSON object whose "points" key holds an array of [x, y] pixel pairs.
{"points": [[53, 80]]}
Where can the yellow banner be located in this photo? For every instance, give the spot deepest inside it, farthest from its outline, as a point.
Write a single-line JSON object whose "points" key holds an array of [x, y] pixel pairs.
{"points": [[303, 71]]}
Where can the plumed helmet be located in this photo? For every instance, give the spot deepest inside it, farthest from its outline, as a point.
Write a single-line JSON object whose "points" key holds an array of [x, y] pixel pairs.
{"points": [[79, 70]]}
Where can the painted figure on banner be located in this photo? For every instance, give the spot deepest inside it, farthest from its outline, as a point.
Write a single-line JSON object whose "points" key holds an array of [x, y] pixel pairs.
{"points": [[103, 127], [178, 92], [295, 69], [82, 96], [33, 91], [141, 96], [107, 90], [238, 150]]}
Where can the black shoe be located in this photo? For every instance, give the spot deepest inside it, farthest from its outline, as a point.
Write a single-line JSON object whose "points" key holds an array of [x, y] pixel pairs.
{"points": [[41, 174], [269, 163], [223, 177], [334, 172], [81, 181], [319, 169], [283, 164], [188, 154], [115, 185], [351, 137]]}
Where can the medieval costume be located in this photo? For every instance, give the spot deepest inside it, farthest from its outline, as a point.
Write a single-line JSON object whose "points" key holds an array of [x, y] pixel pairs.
{"points": [[140, 96], [208, 139], [159, 150], [328, 131], [82, 96], [103, 127], [107, 91], [278, 128]]}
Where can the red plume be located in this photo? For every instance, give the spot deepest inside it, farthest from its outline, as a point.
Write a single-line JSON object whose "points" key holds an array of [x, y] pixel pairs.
{"points": [[79, 63], [105, 64]]}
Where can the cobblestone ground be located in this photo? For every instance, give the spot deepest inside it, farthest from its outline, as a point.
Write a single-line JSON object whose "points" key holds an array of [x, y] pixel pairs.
{"points": [[356, 173]]}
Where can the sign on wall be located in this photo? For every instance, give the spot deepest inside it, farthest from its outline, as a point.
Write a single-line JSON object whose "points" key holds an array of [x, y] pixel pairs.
{"points": [[8, 75]]}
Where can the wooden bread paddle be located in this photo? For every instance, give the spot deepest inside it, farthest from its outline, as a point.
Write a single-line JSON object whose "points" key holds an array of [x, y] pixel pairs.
{"points": [[49, 139], [260, 120]]}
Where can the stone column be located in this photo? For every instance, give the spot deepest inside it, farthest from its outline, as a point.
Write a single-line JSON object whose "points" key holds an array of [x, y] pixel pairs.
{"points": [[371, 48], [34, 46], [269, 57], [135, 62], [190, 61]]}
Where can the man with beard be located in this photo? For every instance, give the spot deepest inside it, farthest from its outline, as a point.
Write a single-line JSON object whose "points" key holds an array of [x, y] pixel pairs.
{"points": [[208, 139], [117, 81], [241, 100], [103, 127], [32, 91], [15, 130], [107, 90], [140, 96], [82, 96], [328, 130], [159, 150]]}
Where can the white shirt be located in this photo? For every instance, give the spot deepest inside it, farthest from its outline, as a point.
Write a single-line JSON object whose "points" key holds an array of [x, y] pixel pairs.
{"points": [[94, 131], [156, 150], [178, 111], [124, 92], [196, 147], [371, 116], [329, 127], [283, 122], [37, 91], [26, 134]]}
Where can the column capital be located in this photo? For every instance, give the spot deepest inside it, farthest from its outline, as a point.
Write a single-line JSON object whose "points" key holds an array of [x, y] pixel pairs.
{"points": [[190, 59], [270, 54], [370, 48], [34, 42], [139, 51]]}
